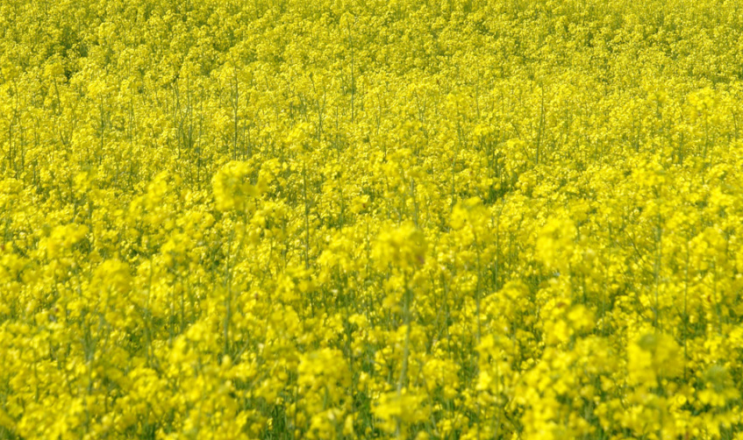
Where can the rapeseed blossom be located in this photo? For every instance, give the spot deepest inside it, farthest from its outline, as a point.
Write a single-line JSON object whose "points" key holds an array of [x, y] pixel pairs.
{"points": [[290, 219]]}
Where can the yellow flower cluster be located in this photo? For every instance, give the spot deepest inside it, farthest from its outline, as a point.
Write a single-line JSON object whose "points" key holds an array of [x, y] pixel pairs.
{"points": [[340, 219]]}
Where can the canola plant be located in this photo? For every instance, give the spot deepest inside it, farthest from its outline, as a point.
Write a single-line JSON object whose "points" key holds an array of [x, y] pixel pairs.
{"points": [[341, 219]]}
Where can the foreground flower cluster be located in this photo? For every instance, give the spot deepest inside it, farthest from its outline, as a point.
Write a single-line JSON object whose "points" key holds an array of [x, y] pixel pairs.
{"points": [[289, 219]]}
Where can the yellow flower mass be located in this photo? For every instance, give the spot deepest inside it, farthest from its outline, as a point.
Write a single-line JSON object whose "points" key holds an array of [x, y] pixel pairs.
{"points": [[344, 219]]}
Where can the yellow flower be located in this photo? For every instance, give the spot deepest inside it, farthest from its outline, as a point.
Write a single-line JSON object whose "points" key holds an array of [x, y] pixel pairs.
{"points": [[403, 247], [232, 188]]}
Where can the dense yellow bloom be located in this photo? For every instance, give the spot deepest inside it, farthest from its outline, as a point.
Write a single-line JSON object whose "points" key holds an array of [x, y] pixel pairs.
{"points": [[333, 219], [232, 188], [403, 247], [399, 410]]}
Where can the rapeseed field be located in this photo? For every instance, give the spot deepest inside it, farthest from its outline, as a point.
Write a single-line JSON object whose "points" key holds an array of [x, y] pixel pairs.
{"points": [[353, 219]]}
